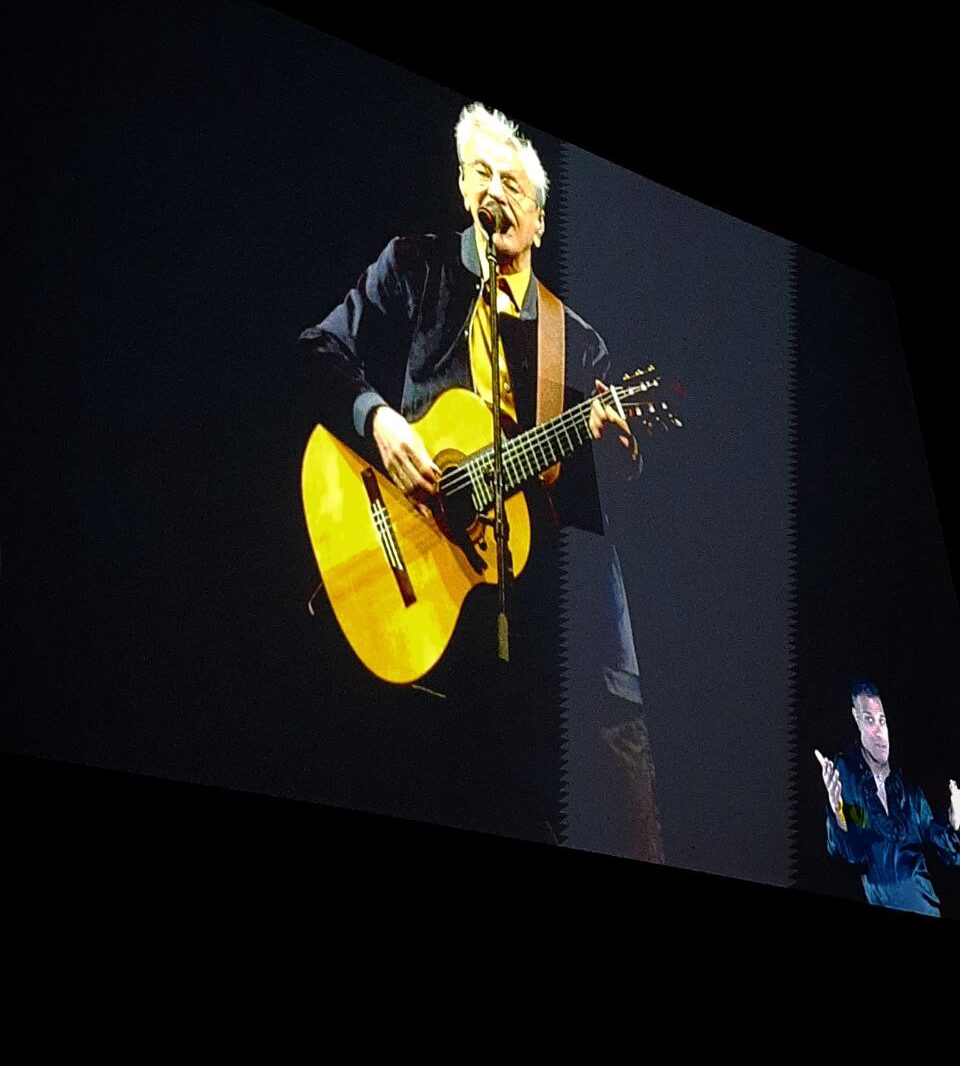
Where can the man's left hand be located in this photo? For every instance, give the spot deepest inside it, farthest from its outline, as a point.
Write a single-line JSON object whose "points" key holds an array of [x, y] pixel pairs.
{"points": [[954, 806], [603, 415]]}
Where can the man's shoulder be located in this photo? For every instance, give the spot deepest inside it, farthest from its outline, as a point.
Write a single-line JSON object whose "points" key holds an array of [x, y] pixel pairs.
{"points": [[578, 321], [580, 331], [413, 249], [407, 259], [911, 789], [850, 764]]}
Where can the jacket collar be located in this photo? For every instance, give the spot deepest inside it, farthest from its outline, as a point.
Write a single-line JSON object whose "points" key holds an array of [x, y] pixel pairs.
{"points": [[470, 258], [858, 759]]}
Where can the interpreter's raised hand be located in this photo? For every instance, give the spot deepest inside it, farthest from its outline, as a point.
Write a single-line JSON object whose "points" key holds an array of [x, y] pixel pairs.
{"points": [[403, 453], [831, 782], [954, 805], [604, 415]]}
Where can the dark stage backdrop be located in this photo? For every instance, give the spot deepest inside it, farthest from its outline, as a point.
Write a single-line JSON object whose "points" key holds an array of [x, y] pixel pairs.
{"points": [[198, 184], [704, 535]]}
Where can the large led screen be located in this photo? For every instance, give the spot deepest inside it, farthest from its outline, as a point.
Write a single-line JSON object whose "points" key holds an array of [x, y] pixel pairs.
{"points": [[250, 538]]}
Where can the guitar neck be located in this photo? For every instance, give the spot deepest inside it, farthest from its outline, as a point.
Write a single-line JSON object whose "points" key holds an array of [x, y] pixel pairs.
{"points": [[530, 453], [537, 449]]}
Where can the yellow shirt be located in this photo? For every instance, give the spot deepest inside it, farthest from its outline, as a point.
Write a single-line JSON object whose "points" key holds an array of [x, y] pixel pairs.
{"points": [[508, 303]]}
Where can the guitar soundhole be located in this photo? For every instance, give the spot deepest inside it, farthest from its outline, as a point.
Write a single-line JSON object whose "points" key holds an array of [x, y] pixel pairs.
{"points": [[455, 511]]}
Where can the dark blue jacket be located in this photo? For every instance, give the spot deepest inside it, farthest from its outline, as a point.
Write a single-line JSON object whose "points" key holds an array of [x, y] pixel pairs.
{"points": [[889, 847], [401, 335]]}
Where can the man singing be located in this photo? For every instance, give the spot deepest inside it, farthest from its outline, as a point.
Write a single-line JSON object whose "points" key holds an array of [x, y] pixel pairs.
{"points": [[415, 325], [880, 823]]}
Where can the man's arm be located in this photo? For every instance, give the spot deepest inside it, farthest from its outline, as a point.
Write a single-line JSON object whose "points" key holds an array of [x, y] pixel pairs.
{"points": [[404, 455], [362, 343], [608, 464], [833, 785], [594, 372], [366, 339], [846, 837], [943, 836]]}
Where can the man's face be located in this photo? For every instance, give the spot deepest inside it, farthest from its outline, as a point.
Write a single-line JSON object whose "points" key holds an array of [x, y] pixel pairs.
{"points": [[872, 723], [491, 172]]}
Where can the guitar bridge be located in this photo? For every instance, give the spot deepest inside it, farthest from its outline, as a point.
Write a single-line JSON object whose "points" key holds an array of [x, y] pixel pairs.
{"points": [[387, 537]]}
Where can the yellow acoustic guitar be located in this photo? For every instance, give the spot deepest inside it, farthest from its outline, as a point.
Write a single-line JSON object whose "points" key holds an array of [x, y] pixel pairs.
{"points": [[396, 578]]}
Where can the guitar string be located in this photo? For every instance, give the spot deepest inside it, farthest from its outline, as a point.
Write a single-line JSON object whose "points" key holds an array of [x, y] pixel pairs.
{"points": [[548, 433], [536, 444], [517, 449], [387, 538]]}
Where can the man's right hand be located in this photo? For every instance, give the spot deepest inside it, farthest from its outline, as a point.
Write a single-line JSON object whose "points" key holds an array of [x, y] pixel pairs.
{"points": [[403, 453], [831, 782]]}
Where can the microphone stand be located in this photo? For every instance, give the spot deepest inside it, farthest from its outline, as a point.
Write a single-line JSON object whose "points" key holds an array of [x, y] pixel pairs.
{"points": [[501, 531]]}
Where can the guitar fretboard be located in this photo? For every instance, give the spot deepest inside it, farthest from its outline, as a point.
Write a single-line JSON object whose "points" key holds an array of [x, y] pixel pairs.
{"points": [[524, 456]]}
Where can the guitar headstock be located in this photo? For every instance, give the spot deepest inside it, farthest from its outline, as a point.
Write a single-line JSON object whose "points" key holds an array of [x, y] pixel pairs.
{"points": [[642, 396]]}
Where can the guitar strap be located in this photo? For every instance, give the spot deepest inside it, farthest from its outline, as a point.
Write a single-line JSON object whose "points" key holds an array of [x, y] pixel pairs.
{"points": [[551, 362]]}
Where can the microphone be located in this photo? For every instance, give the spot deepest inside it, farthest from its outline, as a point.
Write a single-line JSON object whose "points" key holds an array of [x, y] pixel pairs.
{"points": [[491, 218]]}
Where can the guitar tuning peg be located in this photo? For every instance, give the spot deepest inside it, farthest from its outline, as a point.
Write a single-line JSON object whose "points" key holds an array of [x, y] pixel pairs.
{"points": [[650, 368], [626, 377]]}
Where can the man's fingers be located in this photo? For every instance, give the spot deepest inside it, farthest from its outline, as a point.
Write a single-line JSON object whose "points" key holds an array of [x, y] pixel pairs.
{"points": [[835, 791], [400, 479], [404, 455], [420, 472], [596, 419], [426, 468], [601, 415], [403, 473], [831, 778], [414, 481], [410, 489], [620, 423], [417, 452]]}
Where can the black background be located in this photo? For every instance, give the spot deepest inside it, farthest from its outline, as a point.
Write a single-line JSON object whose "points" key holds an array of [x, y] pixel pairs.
{"points": [[184, 896]]}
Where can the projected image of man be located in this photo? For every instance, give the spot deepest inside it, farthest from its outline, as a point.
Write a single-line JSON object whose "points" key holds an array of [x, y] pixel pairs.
{"points": [[880, 823], [415, 327]]}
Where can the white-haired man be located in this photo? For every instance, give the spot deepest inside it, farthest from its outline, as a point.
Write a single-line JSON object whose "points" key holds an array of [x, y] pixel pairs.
{"points": [[416, 325]]}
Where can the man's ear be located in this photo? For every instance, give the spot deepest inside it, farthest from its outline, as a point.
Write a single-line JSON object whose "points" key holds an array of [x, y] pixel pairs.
{"points": [[463, 189], [541, 226]]}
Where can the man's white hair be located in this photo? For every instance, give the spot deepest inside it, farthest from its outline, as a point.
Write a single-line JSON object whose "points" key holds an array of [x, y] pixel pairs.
{"points": [[497, 125]]}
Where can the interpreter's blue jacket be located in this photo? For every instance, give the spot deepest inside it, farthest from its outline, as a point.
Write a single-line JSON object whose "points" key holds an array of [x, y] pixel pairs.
{"points": [[889, 846]]}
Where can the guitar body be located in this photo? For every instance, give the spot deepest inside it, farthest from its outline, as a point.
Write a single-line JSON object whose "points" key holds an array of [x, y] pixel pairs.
{"points": [[397, 579]]}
